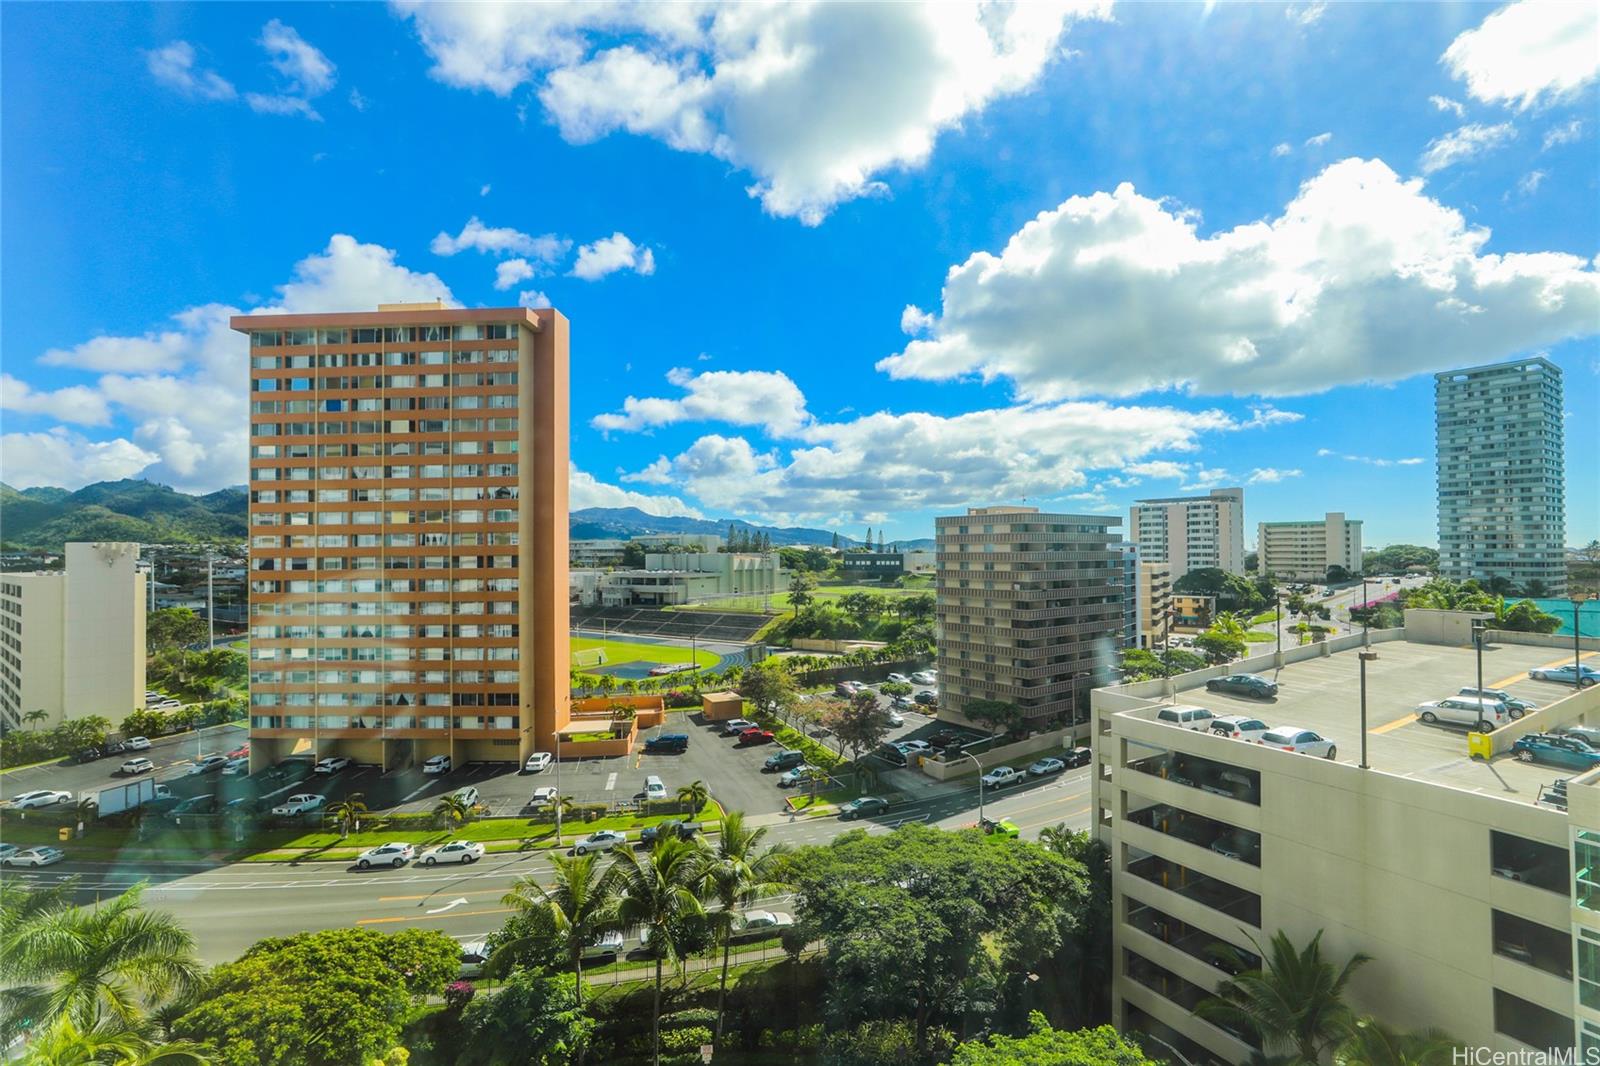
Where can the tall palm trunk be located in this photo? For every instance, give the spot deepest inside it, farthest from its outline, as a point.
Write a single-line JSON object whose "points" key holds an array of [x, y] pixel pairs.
{"points": [[722, 990], [577, 971], [655, 1020]]}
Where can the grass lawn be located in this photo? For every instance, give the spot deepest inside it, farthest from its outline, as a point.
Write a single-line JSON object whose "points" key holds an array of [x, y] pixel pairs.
{"points": [[1269, 616], [779, 601], [1252, 637], [623, 651]]}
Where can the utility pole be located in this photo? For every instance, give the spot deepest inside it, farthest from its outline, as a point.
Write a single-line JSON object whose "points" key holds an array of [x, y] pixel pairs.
{"points": [[1365, 657]]}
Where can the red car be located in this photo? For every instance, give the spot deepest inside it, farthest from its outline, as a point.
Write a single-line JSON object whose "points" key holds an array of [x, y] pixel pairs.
{"points": [[241, 752], [755, 736]]}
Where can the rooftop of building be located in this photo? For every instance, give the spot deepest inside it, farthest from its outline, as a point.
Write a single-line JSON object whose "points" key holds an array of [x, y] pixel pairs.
{"points": [[413, 314], [1509, 364], [1323, 693], [1211, 497]]}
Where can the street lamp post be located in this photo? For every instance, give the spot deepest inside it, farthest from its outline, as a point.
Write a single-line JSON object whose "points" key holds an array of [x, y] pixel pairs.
{"points": [[979, 765], [558, 787], [1365, 657], [1577, 646], [1479, 625], [1278, 611], [1366, 617]]}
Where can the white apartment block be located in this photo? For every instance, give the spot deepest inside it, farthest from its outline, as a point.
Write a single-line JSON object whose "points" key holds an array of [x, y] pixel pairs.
{"points": [[72, 641], [1303, 551], [1473, 883], [595, 552], [1502, 511], [694, 577], [1134, 605], [1191, 532]]}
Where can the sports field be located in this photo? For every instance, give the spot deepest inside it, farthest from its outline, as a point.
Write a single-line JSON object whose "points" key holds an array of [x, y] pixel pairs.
{"points": [[629, 659]]}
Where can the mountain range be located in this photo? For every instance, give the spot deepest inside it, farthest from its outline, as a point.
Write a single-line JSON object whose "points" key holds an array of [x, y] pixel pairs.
{"points": [[46, 518]]}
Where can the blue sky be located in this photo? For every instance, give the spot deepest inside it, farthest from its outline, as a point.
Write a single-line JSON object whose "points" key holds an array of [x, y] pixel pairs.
{"points": [[838, 266]]}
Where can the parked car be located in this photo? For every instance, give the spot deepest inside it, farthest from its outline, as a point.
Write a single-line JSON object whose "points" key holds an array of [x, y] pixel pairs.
{"points": [[330, 765], [947, 738], [474, 954], [1588, 734], [140, 765], [83, 755], [394, 855], [783, 760], [736, 726], [1517, 707], [236, 767], [538, 762], [601, 840], [668, 744], [542, 796], [927, 697], [1251, 685], [604, 946], [1046, 766], [898, 679], [1566, 674], [924, 677], [896, 719], [241, 752], [755, 736], [865, 807], [40, 856], [846, 689], [8, 850], [1238, 727], [39, 797], [672, 828], [299, 803], [112, 747], [1001, 776], [1078, 757], [757, 925], [465, 852], [467, 794], [800, 775], [914, 747], [1472, 712], [903, 703], [138, 743], [436, 764], [205, 803], [1556, 750], [1186, 717], [1303, 741], [207, 764]]}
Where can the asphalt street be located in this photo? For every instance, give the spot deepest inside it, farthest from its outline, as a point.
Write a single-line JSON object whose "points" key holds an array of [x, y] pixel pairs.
{"points": [[172, 755], [230, 907]]}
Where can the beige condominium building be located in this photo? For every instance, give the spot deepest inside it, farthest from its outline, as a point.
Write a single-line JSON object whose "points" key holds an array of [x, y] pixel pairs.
{"points": [[1030, 609], [72, 641], [408, 533], [1472, 882], [1155, 593], [1191, 532], [1303, 551]]}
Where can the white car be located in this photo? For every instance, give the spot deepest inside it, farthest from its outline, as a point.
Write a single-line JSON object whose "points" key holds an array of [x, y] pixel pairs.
{"points": [[236, 767], [899, 679], [474, 953], [538, 762], [1046, 766], [462, 851], [1239, 727], [467, 794], [206, 764], [140, 765], [542, 797], [1474, 712], [395, 855], [1303, 741], [331, 765], [40, 856], [896, 719], [39, 797], [7, 850], [1000, 777], [137, 743], [604, 946], [438, 764], [603, 840], [924, 677], [762, 923], [299, 803]]}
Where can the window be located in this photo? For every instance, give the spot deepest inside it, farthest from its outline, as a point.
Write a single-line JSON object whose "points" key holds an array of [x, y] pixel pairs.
{"points": [[1586, 866]]}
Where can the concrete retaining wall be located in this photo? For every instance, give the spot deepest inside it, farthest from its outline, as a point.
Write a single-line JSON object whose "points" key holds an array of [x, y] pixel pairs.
{"points": [[1056, 740]]}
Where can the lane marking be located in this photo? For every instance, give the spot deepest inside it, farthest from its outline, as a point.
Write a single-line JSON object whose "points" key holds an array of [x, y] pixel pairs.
{"points": [[611, 781], [452, 905], [426, 918]]}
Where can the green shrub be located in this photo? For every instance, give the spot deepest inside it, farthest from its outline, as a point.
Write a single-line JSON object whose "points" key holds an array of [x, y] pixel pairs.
{"points": [[693, 1016], [689, 1038]]}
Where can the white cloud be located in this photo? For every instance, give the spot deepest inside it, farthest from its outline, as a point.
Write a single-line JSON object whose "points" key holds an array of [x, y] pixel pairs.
{"points": [[533, 298], [766, 398], [584, 491], [62, 458], [1528, 52], [358, 101], [510, 271], [1369, 460], [173, 66], [1319, 140], [502, 240], [1281, 149], [1466, 143], [1565, 133], [817, 101], [180, 393], [1531, 181], [610, 254], [305, 73], [1306, 14], [485, 190], [1444, 103], [1361, 278], [274, 104], [1267, 475], [78, 404]]}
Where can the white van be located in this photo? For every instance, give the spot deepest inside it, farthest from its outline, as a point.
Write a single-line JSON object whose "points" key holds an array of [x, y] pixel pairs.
{"points": [[654, 789], [1471, 711]]}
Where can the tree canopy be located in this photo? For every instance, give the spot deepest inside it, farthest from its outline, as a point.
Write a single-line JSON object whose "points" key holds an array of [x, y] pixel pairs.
{"points": [[1044, 1046], [1234, 592], [533, 1021]]}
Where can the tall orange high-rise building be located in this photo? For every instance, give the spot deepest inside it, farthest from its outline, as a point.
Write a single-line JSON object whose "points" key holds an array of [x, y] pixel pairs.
{"points": [[408, 533]]}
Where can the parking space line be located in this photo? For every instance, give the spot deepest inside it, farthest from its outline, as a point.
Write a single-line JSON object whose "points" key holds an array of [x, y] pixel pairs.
{"points": [[611, 781]]}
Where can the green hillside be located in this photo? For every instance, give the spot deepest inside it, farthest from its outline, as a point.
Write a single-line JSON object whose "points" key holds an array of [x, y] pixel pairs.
{"points": [[47, 518]]}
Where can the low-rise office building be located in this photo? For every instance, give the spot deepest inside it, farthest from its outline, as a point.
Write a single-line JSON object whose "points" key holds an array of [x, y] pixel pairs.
{"points": [[72, 641], [694, 577], [1155, 593], [659, 542], [1304, 551], [595, 552], [1133, 604], [1191, 613], [872, 564], [1454, 873]]}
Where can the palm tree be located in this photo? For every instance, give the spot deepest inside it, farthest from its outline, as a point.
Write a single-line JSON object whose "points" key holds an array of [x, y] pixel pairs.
{"points": [[1297, 1001], [108, 1041], [565, 805], [738, 875], [346, 814], [696, 795], [1063, 841], [86, 809], [452, 810], [33, 718], [656, 891], [1371, 1043], [579, 904], [79, 963]]}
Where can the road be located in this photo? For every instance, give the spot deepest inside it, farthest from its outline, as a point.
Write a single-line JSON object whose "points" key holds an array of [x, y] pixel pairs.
{"points": [[230, 907], [172, 756]]}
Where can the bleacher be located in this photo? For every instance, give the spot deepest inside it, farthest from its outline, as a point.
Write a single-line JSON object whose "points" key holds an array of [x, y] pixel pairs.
{"points": [[735, 627]]}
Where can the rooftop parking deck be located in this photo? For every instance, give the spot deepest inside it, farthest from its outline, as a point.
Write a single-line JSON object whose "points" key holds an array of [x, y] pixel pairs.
{"points": [[1324, 694]]}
